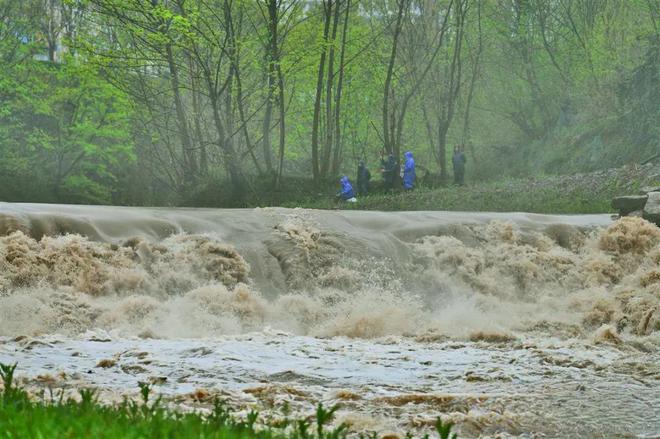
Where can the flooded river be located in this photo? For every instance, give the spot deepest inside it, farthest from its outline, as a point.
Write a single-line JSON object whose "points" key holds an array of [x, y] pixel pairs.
{"points": [[509, 325]]}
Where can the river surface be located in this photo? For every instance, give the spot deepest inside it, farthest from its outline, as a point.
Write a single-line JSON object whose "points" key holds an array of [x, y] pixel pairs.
{"points": [[508, 325]]}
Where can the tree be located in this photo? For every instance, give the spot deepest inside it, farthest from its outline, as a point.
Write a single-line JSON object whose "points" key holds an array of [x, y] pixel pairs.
{"points": [[194, 94], [66, 134], [280, 20], [415, 68]]}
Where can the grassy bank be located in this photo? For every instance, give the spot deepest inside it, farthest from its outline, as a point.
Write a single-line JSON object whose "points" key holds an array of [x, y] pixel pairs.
{"points": [[575, 193], [493, 198], [51, 417], [581, 193]]}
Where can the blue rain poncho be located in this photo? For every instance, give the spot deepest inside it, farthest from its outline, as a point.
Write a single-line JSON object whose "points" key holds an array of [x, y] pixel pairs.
{"points": [[346, 192], [409, 171]]}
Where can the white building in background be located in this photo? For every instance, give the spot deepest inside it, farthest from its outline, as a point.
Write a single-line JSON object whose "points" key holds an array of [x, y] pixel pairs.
{"points": [[57, 23]]}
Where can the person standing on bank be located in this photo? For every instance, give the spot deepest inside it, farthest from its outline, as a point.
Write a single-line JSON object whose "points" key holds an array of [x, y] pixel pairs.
{"points": [[409, 175], [363, 177], [458, 161], [387, 170]]}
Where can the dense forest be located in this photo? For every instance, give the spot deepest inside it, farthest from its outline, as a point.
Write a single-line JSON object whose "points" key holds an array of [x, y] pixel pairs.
{"points": [[207, 101]]}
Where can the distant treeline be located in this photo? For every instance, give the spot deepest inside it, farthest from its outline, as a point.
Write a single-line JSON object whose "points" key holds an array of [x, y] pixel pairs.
{"points": [[164, 101]]}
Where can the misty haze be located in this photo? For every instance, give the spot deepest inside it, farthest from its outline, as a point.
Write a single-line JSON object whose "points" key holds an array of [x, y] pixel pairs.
{"points": [[296, 219]]}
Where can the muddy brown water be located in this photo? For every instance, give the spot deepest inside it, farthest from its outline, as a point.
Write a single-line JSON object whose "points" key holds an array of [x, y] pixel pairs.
{"points": [[507, 324]]}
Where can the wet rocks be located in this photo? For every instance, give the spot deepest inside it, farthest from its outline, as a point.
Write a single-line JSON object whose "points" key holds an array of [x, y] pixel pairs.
{"points": [[647, 189], [629, 203], [652, 208], [648, 176], [646, 206]]}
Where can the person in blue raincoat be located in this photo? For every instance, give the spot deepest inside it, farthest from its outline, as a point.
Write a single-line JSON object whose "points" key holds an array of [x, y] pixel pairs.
{"points": [[409, 175], [346, 193]]}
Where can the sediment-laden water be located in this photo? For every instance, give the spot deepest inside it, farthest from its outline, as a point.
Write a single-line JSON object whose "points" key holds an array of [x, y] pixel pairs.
{"points": [[510, 324]]}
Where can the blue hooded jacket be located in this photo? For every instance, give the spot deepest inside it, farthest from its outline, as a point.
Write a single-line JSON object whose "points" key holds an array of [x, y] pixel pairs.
{"points": [[409, 171], [346, 192]]}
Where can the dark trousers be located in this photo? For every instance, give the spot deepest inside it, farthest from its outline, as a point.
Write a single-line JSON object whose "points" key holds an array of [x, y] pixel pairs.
{"points": [[388, 182], [459, 176]]}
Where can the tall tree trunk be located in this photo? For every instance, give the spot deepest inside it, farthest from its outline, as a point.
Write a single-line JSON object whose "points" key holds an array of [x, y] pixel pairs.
{"points": [[443, 127], [235, 74], [282, 108], [327, 9], [271, 78], [476, 67], [265, 128], [387, 124], [197, 120], [329, 114], [340, 83], [275, 80], [188, 157], [450, 98], [243, 120], [229, 157]]}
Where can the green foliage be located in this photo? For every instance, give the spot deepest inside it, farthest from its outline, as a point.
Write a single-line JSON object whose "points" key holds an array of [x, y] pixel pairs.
{"points": [[118, 101], [86, 417], [64, 133], [323, 416], [444, 430], [7, 376], [145, 388], [87, 398]]}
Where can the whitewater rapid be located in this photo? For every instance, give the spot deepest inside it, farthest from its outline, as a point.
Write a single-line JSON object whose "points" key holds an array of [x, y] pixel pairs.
{"points": [[509, 324]]}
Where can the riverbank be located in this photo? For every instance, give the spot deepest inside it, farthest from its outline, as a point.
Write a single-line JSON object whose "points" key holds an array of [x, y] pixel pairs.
{"points": [[560, 194]]}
